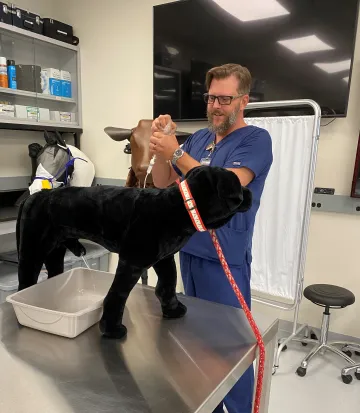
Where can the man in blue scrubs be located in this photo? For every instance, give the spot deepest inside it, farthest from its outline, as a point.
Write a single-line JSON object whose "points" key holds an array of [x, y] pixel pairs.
{"points": [[246, 150]]}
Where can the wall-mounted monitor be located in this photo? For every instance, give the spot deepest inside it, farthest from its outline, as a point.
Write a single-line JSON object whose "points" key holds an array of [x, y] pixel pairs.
{"points": [[294, 49]]}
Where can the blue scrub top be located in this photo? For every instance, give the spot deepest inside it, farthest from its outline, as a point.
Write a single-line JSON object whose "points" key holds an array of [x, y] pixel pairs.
{"points": [[249, 147]]}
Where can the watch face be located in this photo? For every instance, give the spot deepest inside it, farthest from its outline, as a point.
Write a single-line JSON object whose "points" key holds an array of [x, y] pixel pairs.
{"points": [[178, 152]]}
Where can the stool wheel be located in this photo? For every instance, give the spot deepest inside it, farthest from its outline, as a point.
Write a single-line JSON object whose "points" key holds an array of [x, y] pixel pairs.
{"points": [[347, 379], [313, 336], [301, 372], [348, 353]]}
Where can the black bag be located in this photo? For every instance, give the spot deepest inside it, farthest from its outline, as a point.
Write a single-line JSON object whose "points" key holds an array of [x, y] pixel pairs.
{"points": [[59, 31], [5, 13], [27, 20]]}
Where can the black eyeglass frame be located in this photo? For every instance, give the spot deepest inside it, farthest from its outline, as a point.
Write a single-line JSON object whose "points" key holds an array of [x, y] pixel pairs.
{"points": [[230, 98]]}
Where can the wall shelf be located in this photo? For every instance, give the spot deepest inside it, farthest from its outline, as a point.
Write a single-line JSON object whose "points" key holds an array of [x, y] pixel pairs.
{"points": [[34, 95], [20, 124], [16, 30]]}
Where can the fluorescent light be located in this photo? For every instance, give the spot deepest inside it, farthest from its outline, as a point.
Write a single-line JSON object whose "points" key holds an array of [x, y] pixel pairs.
{"points": [[249, 10], [305, 44], [335, 66]]}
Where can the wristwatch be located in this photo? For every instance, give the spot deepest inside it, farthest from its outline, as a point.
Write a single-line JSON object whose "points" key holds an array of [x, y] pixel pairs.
{"points": [[177, 154]]}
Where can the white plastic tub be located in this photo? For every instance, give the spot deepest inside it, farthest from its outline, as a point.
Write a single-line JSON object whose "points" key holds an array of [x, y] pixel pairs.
{"points": [[66, 305]]}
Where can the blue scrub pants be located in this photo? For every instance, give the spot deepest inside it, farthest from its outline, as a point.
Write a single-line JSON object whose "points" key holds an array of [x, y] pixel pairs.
{"points": [[206, 279]]}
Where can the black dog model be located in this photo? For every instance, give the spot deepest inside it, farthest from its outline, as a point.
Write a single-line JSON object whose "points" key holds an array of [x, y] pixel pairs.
{"points": [[143, 226]]}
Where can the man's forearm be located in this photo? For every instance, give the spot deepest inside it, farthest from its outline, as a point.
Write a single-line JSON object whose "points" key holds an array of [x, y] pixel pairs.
{"points": [[161, 173]]}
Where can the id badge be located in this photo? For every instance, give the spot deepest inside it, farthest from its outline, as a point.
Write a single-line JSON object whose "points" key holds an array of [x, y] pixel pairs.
{"points": [[205, 161]]}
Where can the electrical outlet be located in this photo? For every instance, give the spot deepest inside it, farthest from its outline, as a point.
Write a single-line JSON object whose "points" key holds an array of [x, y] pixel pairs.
{"points": [[324, 191]]}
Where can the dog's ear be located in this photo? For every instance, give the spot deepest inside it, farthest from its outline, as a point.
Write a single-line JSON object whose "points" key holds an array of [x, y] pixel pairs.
{"points": [[247, 200]]}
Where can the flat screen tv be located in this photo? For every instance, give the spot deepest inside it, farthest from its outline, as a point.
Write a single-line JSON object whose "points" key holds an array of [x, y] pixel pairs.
{"points": [[294, 49]]}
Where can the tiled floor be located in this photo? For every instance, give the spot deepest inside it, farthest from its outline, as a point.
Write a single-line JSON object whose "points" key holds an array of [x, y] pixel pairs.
{"points": [[320, 391]]}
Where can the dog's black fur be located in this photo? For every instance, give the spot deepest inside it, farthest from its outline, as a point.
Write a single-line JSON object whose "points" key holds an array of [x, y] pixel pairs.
{"points": [[143, 226]]}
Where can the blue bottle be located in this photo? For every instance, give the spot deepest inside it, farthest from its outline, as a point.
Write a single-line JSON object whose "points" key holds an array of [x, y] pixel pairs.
{"points": [[11, 70]]}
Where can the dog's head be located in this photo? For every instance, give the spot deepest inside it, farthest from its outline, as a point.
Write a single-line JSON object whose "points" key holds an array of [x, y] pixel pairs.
{"points": [[218, 194]]}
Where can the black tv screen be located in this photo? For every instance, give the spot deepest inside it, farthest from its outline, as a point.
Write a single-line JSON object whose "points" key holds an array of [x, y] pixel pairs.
{"points": [[294, 49]]}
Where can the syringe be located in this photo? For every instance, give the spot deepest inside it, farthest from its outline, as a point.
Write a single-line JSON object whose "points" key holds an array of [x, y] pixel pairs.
{"points": [[167, 131]]}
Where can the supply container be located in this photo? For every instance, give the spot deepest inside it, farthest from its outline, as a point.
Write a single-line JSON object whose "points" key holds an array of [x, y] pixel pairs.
{"points": [[11, 72], [65, 305], [9, 282], [96, 256], [3, 72]]}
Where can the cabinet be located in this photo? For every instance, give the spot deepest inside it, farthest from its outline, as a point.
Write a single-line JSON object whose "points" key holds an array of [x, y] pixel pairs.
{"points": [[40, 88], [44, 94]]}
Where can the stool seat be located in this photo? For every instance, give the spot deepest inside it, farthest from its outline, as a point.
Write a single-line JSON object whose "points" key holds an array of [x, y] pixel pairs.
{"points": [[329, 295]]}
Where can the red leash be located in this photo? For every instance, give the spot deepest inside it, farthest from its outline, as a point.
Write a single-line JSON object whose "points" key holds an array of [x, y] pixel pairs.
{"points": [[199, 225]]}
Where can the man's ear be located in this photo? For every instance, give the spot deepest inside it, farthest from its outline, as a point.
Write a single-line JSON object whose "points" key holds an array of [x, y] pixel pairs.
{"points": [[247, 200]]}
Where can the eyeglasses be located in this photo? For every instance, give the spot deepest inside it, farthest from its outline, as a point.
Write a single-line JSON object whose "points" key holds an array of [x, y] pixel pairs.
{"points": [[223, 100]]}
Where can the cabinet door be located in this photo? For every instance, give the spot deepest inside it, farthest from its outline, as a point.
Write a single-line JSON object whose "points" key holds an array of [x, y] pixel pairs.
{"points": [[17, 79], [38, 81]]}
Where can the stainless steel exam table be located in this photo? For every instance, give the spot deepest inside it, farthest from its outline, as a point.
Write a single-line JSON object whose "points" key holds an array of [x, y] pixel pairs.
{"points": [[163, 366]]}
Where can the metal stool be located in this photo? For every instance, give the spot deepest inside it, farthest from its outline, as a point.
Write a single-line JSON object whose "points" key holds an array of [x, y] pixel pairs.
{"points": [[330, 297]]}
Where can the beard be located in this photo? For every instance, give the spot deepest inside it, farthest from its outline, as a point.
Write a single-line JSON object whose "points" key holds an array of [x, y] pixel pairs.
{"points": [[224, 126]]}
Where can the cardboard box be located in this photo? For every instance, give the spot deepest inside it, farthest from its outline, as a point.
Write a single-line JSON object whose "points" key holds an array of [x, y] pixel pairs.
{"points": [[65, 84], [55, 116], [44, 115], [51, 82], [7, 111], [64, 75], [27, 112]]}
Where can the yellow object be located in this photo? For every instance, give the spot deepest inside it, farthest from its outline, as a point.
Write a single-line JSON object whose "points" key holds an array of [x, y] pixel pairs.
{"points": [[46, 184]]}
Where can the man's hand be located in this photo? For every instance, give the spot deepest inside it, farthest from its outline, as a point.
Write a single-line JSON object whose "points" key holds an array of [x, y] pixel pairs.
{"points": [[161, 122], [163, 145]]}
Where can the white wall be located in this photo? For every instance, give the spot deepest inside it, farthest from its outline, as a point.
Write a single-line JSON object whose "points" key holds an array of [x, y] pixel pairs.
{"points": [[116, 58]]}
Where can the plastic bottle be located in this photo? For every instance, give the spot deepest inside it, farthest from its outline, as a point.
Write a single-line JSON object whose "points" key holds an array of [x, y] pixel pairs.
{"points": [[11, 72], [3, 72], [167, 131]]}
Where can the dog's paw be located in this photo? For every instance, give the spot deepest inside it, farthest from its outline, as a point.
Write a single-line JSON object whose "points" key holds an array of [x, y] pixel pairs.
{"points": [[176, 312], [115, 332]]}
